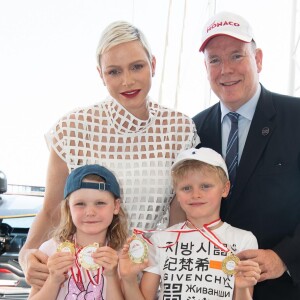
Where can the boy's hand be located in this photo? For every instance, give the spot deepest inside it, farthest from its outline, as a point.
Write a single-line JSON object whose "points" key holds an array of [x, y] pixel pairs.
{"points": [[127, 268], [248, 274]]}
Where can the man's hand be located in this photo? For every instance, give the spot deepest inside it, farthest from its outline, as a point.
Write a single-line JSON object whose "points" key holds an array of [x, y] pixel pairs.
{"points": [[36, 271], [269, 262]]}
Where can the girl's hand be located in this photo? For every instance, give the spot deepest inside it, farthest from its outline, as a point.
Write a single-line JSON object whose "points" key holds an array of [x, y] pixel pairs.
{"points": [[127, 268], [58, 264], [248, 274], [108, 259]]}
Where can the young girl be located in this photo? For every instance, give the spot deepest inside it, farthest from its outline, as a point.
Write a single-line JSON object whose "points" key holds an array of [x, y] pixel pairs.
{"points": [[195, 259], [82, 253]]}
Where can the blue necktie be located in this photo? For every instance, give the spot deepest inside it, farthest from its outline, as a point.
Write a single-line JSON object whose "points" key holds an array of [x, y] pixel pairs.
{"points": [[232, 150]]}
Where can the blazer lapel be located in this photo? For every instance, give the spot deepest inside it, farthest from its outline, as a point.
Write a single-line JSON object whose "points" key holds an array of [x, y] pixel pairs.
{"points": [[211, 133], [261, 129]]}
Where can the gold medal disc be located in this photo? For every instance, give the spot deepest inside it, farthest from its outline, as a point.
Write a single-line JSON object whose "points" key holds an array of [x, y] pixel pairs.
{"points": [[229, 263], [138, 250], [66, 247], [85, 258]]}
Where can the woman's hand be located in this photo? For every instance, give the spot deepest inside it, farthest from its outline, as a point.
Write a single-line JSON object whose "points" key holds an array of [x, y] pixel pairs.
{"points": [[35, 269]]}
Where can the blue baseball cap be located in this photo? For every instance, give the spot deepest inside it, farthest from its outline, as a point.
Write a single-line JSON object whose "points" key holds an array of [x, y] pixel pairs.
{"points": [[75, 180]]}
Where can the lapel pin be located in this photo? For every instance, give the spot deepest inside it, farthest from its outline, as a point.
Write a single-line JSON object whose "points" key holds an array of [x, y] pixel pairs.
{"points": [[265, 131]]}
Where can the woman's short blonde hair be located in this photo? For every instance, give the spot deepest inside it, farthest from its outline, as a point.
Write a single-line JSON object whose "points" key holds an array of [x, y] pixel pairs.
{"points": [[120, 32]]}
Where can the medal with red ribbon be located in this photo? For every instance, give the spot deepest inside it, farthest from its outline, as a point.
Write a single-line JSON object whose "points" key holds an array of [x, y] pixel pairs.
{"points": [[227, 265], [230, 261], [83, 258]]}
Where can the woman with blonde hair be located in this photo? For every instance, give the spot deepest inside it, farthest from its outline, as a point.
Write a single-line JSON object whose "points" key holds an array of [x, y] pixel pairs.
{"points": [[128, 133]]}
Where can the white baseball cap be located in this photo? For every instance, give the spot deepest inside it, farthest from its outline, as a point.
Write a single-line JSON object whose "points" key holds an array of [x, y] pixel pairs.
{"points": [[226, 23], [206, 155]]}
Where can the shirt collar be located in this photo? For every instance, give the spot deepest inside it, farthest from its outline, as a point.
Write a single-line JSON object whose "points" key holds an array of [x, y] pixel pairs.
{"points": [[247, 110]]}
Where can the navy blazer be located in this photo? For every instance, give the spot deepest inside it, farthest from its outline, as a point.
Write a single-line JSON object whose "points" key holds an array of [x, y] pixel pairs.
{"points": [[266, 195]]}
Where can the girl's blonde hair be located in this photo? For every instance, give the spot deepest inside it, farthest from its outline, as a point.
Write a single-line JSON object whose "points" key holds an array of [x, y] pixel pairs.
{"points": [[120, 32], [116, 232], [186, 166]]}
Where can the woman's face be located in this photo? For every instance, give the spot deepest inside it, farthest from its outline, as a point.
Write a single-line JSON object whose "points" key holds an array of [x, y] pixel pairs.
{"points": [[127, 73]]}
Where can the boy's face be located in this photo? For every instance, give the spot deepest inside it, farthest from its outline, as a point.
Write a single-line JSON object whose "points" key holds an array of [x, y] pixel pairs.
{"points": [[199, 194]]}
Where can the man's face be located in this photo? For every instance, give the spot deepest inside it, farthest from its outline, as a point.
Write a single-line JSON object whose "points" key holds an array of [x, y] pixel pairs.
{"points": [[232, 68]]}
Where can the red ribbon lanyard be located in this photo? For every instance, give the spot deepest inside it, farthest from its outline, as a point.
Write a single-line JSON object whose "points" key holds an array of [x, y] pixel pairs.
{"points": [[208, 234], [178, 231], [205, 231], [79, 280]]}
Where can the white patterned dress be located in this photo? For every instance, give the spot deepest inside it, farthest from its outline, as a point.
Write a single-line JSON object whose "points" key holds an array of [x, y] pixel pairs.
{"points": [[139, 152]]}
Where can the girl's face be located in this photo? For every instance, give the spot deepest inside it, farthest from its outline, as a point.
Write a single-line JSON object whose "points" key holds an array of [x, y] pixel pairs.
{"points": [[199, 194], [92, 212], [127, 73]]}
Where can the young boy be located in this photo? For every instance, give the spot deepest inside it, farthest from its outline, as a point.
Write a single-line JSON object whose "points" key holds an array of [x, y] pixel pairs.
{"points": [[195, 260]]}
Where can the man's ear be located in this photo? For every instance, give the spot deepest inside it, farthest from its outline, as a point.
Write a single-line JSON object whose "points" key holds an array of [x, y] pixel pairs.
{"points": [[258, 59]]}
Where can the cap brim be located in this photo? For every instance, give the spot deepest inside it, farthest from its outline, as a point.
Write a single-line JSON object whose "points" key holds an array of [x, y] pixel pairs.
{"points": [[235, 36]]}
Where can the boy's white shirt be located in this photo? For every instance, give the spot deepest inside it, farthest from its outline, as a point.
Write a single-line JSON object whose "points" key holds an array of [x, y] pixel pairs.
{"points": [[184, 268]]}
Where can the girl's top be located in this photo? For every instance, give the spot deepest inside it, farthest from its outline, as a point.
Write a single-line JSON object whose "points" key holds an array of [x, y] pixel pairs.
{"points": [[78, 285], [190, 269], [139, 152]]}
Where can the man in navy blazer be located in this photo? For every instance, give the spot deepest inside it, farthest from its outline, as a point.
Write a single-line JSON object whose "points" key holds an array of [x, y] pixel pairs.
{"points": [[265, 197]]}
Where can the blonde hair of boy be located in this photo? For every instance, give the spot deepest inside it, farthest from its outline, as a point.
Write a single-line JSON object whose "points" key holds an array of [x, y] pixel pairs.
{"points": [[180, 171]]}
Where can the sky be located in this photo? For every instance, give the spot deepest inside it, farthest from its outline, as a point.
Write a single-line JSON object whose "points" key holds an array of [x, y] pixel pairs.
{"points": [[48, 66]]}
